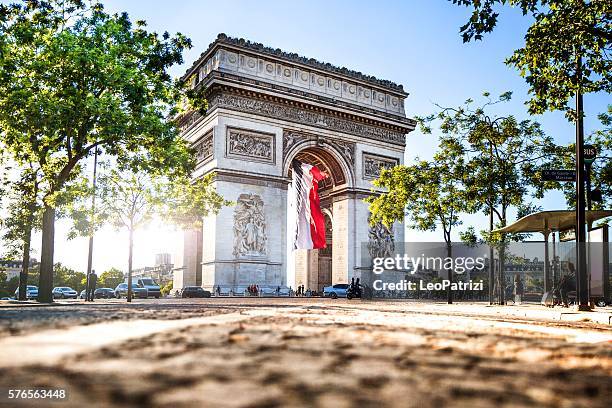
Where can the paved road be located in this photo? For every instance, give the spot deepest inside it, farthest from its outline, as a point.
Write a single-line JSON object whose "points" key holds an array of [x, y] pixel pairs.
{"points": [[303, 352]]}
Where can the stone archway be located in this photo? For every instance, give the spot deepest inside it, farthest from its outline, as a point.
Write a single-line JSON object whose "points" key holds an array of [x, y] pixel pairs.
{"points": [[315, 268]]}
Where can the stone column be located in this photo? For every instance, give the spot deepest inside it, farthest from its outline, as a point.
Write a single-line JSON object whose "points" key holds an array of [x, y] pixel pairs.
{"points": [[343, 252]]}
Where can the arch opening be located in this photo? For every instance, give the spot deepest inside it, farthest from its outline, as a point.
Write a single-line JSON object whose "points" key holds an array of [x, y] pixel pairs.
{"points": [[313, 268]]}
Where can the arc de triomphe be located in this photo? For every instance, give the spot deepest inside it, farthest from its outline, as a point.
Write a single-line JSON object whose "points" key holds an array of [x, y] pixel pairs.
{"points": [[265, 108]]}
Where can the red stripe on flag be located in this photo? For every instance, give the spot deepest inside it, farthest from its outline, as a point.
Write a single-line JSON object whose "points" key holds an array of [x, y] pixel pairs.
{"points": [[317, 222]]}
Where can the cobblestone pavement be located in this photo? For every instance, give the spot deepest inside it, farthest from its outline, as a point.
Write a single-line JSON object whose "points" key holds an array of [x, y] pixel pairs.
{"points": [[305, 352]]}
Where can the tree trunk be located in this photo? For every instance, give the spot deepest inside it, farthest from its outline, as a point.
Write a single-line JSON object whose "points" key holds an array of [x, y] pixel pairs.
{"points": [[45, 284], [449, 292], [25, 264], [131, 250]]}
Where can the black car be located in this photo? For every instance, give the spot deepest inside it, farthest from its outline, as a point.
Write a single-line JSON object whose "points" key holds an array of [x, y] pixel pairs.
{"points": [[137, 292], [104, 293], [194, 292]]}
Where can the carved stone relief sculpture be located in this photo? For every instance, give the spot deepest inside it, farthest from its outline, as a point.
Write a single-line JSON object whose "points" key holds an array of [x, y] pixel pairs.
{"points": [[373, 165], [249, 227], [381, 243], [250, 145], [204, 147]]}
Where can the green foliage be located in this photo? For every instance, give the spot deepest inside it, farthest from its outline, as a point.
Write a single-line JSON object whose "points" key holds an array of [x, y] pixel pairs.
{"points": [[184, 203], [73, 79], [503, 156], [601, 169], [128, 200], [166, 289], [24, 213], [8, 286], [430, 194], [561, 31], [110, 278], [64, 276]]}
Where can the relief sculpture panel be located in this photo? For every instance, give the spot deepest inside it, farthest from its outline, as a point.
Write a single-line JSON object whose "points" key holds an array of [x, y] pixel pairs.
{"points": [[250, 145], [249, 227]]}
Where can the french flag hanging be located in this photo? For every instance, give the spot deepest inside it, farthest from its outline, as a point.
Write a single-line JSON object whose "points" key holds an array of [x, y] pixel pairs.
{"points": [[309, 223]]}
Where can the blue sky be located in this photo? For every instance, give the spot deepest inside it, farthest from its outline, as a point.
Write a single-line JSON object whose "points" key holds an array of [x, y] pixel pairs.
{"points": [[415, 43]]}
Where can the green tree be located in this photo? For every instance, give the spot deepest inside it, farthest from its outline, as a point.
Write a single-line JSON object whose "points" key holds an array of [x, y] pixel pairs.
{"points": [[431, 194], [183, 202], [23, 218], [74, 78], [601, 169], [111, 278], [562, 31], [128, 201], [503, 160], [504, 157], [7, 286]]}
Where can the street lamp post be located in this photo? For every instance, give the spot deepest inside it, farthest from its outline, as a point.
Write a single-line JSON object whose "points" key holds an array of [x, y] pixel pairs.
{"points": [[93, 212], [581, 264]]}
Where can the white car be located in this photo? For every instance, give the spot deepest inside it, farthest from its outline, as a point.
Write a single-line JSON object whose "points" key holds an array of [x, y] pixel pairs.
{"points": [[31, 292], [64, 292]]}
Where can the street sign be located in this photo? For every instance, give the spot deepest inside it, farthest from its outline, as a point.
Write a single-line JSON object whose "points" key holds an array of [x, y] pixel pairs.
{"points": [[590, 153], [596, 196], [558, 175]]}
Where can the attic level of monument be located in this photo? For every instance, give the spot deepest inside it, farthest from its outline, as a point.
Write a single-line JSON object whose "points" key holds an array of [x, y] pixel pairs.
{"points": [[303, 112], [251, 64]]}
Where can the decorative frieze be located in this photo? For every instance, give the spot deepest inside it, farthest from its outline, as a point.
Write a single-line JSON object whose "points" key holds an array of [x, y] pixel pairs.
{"points": [[292, 138], [373, 164], [304, 116], [381, 243], [204, 148], [249, 227], [347, 149], [250, 145]]}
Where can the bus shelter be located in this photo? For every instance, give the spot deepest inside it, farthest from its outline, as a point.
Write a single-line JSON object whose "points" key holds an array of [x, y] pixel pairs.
{"points": [[558, 222]]}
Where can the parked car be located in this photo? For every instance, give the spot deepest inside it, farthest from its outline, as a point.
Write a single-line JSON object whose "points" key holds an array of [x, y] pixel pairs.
{"points": [[64, 292], [31, 292], [150, 285], [137, 292], [336, 291], [82, 294], [6, 298], [194, 292], [104, 293]]}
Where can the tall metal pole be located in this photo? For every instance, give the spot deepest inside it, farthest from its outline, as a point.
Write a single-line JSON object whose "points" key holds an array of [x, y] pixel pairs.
{"points": [[581, 264], [491, 252], [93, 213]]}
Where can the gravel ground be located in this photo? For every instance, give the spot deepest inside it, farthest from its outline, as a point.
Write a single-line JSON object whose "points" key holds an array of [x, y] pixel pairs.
{"points": [[301, 352]]}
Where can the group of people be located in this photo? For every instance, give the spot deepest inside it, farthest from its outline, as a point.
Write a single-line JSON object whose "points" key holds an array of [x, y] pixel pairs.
{"points": [[300, 292], [253, 290]]}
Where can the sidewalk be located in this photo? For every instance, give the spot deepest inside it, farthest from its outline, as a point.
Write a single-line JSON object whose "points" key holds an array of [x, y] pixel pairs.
{"points": [[599, 315]]}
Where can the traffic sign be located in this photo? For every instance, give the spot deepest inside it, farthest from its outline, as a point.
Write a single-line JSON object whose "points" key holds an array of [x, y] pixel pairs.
{"points": [[558, 175], [590, 153]]}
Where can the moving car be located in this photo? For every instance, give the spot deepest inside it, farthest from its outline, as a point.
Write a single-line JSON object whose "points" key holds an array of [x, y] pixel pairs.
{"points": [[104, 293], [336, 291], [137, 292], [64, 292], [31, 292], [194, 292], [150, 285]]}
